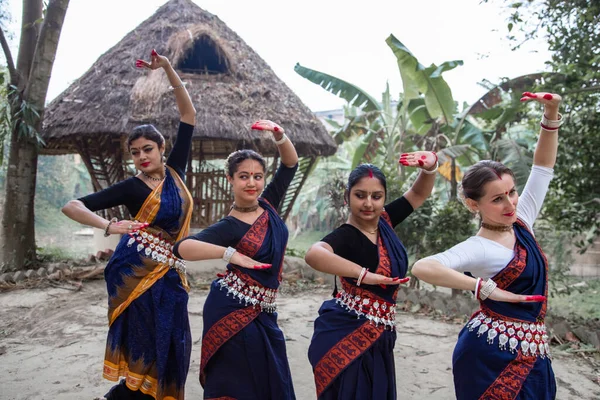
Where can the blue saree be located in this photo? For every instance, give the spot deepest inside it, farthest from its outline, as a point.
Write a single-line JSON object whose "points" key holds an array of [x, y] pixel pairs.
{"points": [[502, 354], [352, 357], [243, 354], [149, 340]]}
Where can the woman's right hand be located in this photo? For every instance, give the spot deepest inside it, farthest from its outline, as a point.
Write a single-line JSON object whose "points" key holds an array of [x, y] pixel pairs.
{"points": [[244, 261], [126, 226], [509, 297], [377, 279], [156, 61]]}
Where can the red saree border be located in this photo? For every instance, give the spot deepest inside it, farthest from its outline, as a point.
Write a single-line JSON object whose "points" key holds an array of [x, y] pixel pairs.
{"points": [[251, 242], [222, 331], [508, 384], [340, 356]]}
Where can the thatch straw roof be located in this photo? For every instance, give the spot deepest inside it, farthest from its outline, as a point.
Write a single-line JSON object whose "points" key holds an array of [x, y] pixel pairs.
{"points": [[230, 85]]}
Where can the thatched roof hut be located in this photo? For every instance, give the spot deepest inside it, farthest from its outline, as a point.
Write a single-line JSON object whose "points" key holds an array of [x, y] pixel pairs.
{"points": [[230, 85]]}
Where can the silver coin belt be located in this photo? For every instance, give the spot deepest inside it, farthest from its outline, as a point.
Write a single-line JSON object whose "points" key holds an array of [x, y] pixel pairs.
{"points": [[251, 293], [157, 249], [376, 311], [528, 338]]}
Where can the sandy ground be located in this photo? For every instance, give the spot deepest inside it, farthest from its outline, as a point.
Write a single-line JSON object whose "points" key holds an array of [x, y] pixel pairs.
{"points": [[52, 343]]}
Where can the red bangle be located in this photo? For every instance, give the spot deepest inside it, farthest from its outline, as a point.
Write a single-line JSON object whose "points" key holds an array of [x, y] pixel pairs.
{"points": [[547, 128]]}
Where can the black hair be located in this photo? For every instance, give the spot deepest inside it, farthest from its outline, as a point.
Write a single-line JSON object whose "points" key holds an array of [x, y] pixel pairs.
{"points": [[479, 174], [147, 132], [235, 158], [362, 171]]}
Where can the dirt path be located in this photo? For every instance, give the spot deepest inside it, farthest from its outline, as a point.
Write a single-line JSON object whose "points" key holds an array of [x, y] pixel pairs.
{"points": [[52, 344]]}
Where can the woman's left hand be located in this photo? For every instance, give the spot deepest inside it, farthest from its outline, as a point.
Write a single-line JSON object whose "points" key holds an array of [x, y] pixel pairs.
{"points": [[266, 125], [157, 61], [422, 159]]}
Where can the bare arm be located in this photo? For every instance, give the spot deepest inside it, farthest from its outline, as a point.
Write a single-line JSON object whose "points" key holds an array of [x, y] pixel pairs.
{"points": [[196, 250], [547, 145], [423, 185], [321, 257], [182, 97], [78, 212], [433, 272]]}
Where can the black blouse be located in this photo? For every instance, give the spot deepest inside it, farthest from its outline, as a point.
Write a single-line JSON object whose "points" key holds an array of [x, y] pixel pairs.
{"points": [[132, 192], [350, 243], [230, 230]]}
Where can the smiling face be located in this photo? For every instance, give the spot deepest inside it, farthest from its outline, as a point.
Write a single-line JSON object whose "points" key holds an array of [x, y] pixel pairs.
{"points": [[248, 182], [366, 199], [146, 155], [498, 205]]}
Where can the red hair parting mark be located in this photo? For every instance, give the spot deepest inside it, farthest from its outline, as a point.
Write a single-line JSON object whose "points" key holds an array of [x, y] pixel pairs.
{"points": [[548, 96], [370, 173]]}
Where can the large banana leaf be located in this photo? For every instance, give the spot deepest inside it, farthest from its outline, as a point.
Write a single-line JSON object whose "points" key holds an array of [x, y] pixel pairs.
{"points": [[416, 80], [418, 115], [354, 95]]}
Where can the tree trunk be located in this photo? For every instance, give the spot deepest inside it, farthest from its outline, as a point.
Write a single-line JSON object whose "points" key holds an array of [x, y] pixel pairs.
{"points": [[34, 67]]}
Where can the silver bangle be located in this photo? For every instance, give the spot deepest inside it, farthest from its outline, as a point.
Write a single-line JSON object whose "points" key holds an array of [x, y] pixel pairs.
{"points": [[282, 140], [433, 171], [552, 124], [228, 254], [178, 86], [487, 288], [363, 273], [476, 293]]}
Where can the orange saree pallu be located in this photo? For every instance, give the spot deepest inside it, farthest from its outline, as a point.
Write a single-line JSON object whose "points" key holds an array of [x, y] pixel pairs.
{"points": [[149, 340]]}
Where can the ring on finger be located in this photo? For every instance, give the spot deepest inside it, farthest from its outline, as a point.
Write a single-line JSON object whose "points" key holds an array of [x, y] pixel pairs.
{"points": [[130, 226]]}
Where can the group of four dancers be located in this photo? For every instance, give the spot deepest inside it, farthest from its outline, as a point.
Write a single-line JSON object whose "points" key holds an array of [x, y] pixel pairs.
{"points": [[502, 352]]}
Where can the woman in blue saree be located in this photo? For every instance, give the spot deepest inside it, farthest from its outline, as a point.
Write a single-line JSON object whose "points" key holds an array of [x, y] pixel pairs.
{"points": [[243, 350], [149, 340], [503, 352], [351, 351]]}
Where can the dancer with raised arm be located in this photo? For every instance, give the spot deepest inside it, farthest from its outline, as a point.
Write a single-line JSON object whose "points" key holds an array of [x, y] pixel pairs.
{"points": [[243, 349], [149, 340], [351, 351], [503, 352]]}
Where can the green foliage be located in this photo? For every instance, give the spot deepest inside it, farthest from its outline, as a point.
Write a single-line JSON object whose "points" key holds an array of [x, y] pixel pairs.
{"points": [[418, 81], [572, 31]]}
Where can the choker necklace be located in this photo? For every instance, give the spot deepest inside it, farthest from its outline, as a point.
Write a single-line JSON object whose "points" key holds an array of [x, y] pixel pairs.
{"points": [[497, 228], [245, 209], [152, 178]]}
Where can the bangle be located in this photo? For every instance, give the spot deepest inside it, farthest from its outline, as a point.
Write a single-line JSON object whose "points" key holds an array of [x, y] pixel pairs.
{"points": [[228, 254], [112, 221], [551, 124], [178, 86], [282, 140], [487, 289], [363, 273], [477, 285], [433, 171]]}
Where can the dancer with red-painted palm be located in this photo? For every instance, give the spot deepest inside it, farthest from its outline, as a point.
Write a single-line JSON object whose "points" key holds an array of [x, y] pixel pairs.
{"points": [[351, 351], [502, 352]]}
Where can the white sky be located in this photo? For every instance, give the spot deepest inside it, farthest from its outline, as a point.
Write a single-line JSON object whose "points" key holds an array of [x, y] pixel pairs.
{"points": [[345, 39]]}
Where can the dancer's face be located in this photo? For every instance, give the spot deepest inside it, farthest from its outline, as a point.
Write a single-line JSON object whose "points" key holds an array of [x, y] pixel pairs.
{"points": [[366, 199], [248, 182], [498, 205], [147, 155]]}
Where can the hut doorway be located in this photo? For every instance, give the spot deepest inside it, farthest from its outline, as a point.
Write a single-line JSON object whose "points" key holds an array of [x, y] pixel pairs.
{"points": [[204, 57]]}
